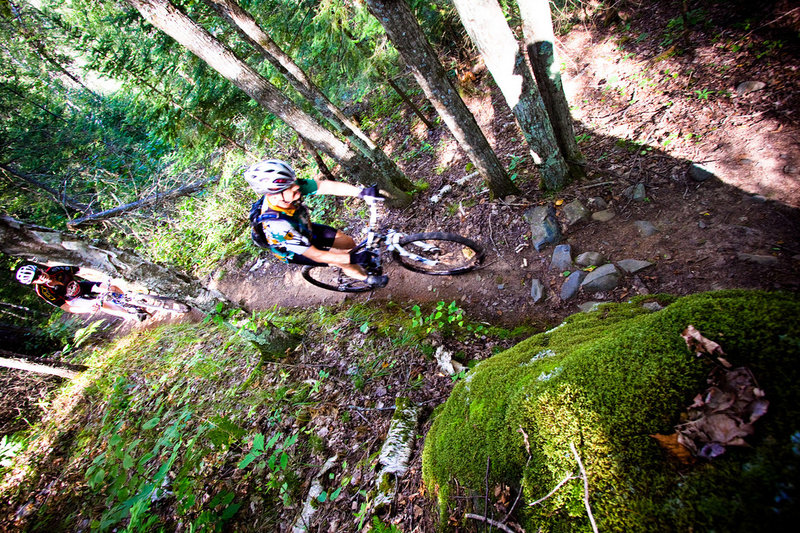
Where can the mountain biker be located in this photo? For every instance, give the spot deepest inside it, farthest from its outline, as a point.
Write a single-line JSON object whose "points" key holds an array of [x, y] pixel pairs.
{"points": [[59, 287], [286, 224]]}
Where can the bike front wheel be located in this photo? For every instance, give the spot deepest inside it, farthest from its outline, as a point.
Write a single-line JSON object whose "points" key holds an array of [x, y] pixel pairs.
{"points": [[151, 302], [439, 254], [333, 279]]}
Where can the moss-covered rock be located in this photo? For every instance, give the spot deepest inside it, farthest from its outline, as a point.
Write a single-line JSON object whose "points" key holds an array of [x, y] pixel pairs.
{"points": [[606, 381]]}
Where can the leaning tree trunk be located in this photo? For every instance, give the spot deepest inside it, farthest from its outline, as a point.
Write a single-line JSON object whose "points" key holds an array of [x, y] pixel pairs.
{"points": [[258, 38], [165, 16], [48, 246], [537, 27], [488, 29], [403, 30]]}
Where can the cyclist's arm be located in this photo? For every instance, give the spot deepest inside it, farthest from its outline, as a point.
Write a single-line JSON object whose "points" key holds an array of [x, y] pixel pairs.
{"points": [[337, 188]]}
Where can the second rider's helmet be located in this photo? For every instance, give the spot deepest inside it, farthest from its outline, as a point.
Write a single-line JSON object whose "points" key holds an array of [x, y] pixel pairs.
{"points": [[26, 274], [270, 177]]}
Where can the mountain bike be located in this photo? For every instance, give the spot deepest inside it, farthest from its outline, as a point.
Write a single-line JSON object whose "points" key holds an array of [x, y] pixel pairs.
{"points": [[140, 304], [433, 253]]}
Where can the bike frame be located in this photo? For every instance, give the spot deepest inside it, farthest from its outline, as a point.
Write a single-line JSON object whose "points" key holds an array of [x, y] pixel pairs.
{"points": [[390, 239]]}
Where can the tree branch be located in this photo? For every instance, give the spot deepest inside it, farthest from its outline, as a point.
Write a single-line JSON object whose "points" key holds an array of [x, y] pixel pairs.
{"points": [[146, 201]]}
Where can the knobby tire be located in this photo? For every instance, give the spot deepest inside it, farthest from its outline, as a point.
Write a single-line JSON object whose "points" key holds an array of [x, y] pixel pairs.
{"points": [[333, 279], [457, 254]]}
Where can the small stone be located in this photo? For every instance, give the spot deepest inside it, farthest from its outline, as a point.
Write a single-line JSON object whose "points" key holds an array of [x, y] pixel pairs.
{"points": [[653, 306], [570, 287], [749, 87], [790, 169], [699, 173], [574, 212], [633, 265], [702, 225], [603, 216], [598, 203], [380, 391], [645, 228], [758, 198], [501, 287], [537, 290], [764, 260], [637, 192], [588, 307], [604, 278], [562, 258], [590, 258], [544, 226]]}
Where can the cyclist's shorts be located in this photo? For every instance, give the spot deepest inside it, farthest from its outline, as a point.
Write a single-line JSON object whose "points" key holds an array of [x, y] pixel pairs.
{"points": [[322, 237]]}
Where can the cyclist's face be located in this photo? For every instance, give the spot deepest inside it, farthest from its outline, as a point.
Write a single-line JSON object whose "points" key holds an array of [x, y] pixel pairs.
{"points": [[291, 195]]}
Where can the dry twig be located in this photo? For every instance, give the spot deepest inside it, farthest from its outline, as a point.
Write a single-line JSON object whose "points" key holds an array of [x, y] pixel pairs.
{"points": [[585, 487], [493, 523]]}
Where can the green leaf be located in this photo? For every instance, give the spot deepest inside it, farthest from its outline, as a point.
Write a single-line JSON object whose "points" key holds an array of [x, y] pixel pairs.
{"points": [[335, 494], [127, 462], [258, 442], [290, 441], [249, 458], [284, 460], [364, 327], [150, 424], [322, 497]]}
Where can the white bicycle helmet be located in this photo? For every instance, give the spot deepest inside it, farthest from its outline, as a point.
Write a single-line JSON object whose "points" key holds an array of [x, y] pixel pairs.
{"points": [[26, 274], [270, 177]]}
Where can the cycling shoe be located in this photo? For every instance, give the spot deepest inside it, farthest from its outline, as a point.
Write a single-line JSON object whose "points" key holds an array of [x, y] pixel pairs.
{"points": [[377, 281]]}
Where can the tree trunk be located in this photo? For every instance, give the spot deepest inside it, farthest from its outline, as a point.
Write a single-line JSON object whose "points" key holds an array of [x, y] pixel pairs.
{"points": [[323, 168], [144, 202], [48, 246], [417, 111], [258, 38], [16, 364], [165, 16], [403, 30], [537, 27], [488, 29]]}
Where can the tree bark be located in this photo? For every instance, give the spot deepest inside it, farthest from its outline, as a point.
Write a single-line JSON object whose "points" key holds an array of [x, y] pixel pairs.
{"points": [[417, 111], [250, 30], [488, 29], [403, 30], [537, 27], [48, 246], [144, 202], [165, 16]]}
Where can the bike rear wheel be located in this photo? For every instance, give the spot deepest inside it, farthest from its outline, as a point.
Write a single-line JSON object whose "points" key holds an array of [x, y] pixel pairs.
{"points": [[439, 254], [333, 279]]}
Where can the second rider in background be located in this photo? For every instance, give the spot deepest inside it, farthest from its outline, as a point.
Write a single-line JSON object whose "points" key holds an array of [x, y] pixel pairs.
{"points": [[286, 224]]}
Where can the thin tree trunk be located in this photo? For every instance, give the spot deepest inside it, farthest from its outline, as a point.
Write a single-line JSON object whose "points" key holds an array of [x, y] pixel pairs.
{"points": [[417, 111], [166, 17], [261, 41], [144, 202], [537, 27], [323, 168], [403, 30], [59, 197], [488, 29], [16, 364], [48, 246]]}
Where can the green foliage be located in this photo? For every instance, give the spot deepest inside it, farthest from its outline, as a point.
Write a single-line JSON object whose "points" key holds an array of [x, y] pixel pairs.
{"points": [[606, 380], [445, 318]]}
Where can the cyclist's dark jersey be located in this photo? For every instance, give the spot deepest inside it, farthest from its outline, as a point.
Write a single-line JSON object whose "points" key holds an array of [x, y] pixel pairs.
{"points": [[291, 234], [66, 287]]}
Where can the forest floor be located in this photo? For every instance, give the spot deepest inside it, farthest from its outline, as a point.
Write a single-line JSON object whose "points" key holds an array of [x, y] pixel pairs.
{"points": [[648, 105]]}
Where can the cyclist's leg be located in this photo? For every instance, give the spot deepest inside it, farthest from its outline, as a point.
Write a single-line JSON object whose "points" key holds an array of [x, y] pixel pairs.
{"points": [[325, 237]]}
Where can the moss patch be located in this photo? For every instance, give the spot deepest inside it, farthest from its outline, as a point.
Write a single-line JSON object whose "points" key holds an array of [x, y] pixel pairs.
{"points": [[605, 381]]}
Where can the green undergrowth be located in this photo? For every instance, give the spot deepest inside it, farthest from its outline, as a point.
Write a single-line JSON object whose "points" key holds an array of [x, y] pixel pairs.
{"points": [[607, 380], [194, 426]]}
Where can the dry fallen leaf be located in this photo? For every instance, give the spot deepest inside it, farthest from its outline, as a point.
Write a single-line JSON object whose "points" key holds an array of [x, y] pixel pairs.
{"points": [[701, 345], [673, 447]]}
